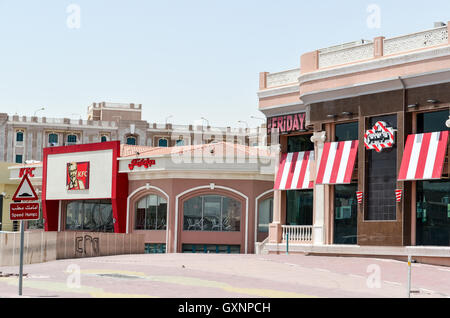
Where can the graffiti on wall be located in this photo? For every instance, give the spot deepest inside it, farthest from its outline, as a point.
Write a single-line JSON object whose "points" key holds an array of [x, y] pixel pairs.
{"points": [[87, 245]]}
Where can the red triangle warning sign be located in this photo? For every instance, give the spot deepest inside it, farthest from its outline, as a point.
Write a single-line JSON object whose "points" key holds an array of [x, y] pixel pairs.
{"points": [[25, 191]]}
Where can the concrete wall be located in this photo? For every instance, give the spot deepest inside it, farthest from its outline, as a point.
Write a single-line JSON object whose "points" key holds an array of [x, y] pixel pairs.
{"points": [[91, 244], [40, 246]]}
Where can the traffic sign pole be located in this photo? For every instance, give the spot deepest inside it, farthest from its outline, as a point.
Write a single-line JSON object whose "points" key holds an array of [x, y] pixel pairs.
{"points": [[23, 211], [22, 235]]}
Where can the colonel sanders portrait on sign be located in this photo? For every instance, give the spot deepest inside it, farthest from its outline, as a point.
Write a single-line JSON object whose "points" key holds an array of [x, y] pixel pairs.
{"points": [[78, 175]]}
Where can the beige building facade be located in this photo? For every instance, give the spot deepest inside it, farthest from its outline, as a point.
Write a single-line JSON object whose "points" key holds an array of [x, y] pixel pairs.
{"points": [[23, 138]]}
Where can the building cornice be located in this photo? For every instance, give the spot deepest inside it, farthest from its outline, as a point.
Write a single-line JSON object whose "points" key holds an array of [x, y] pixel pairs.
{"points": [[284, 109], [59, 126], [384, 62], [283, 90], [389, 84], [193, 174]]}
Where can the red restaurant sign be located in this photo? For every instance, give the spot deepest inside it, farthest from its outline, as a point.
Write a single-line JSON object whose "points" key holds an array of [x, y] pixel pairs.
{"points": [[24, 211], [26, 171], [146, 162], [287, 123]]}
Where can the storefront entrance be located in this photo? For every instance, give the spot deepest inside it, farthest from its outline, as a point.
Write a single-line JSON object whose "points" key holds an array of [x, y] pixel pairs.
{"points": [[345, 214], [433, 213], [299, 207]]}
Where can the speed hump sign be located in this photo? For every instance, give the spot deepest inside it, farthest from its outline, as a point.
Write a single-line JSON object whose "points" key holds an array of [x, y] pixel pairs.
{"points": [[25, 191], [24, 210]]}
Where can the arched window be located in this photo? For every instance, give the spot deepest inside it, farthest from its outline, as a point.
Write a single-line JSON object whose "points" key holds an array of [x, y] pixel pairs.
{"points": [[212, 213], [19, 136], [151, 213], [131, 140], [71, 139], [104, 139], [53, 139], [162, 142]]}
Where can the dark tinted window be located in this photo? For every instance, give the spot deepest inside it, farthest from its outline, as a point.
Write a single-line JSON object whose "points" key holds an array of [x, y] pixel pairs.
{"points": [[299, 207], [433, 213], [131, 141], [90, 215], [431, 122], [162, 143], [53, 138], [19, 136], [72, 138], [345, 214], [382, 177], [300, 143], [348, 131]]}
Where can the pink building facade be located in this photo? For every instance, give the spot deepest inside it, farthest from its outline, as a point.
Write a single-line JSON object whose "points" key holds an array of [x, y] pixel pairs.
{"points": [[205, 198]]}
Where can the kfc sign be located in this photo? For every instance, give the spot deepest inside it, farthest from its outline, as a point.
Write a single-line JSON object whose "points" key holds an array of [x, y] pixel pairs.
{"points": [[146, 162], [26, 171], [77, 176], [286, 124], [379, 137]]}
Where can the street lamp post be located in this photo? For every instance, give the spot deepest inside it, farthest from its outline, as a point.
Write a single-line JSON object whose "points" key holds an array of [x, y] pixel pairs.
{"points": [[207, 121], [38, 111], [254, 117]]}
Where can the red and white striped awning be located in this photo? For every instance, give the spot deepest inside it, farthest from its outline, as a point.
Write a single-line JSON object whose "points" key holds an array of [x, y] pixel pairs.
{"points": [[293, 172], [423, 158], [338, 162]]}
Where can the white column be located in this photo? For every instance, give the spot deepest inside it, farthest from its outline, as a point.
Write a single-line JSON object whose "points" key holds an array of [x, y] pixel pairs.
{"points": [[275, 230], [319, 192]]}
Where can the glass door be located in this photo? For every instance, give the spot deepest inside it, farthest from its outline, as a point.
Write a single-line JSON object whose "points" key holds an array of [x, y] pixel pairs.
{"points": [[345, 214]]}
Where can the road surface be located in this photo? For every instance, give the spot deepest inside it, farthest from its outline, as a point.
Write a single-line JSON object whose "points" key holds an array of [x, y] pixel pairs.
{"points": [[228, 276]]}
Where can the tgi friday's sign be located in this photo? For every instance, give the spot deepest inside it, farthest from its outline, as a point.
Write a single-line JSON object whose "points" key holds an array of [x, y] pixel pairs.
{"points": [[286, 124], [381, 136]]}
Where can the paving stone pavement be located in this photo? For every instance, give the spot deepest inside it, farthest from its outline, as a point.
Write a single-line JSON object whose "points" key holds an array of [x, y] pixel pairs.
{"points": [[226, 276]]}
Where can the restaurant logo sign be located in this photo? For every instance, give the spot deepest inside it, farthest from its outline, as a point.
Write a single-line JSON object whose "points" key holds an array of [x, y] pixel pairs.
{"points": [[77, 177], [379, 137], [286, 124], [145, 162], [26, 171]]}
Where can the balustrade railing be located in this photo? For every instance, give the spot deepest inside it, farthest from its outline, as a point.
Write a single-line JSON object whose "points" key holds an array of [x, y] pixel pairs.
{"points": [[297, 233]]}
